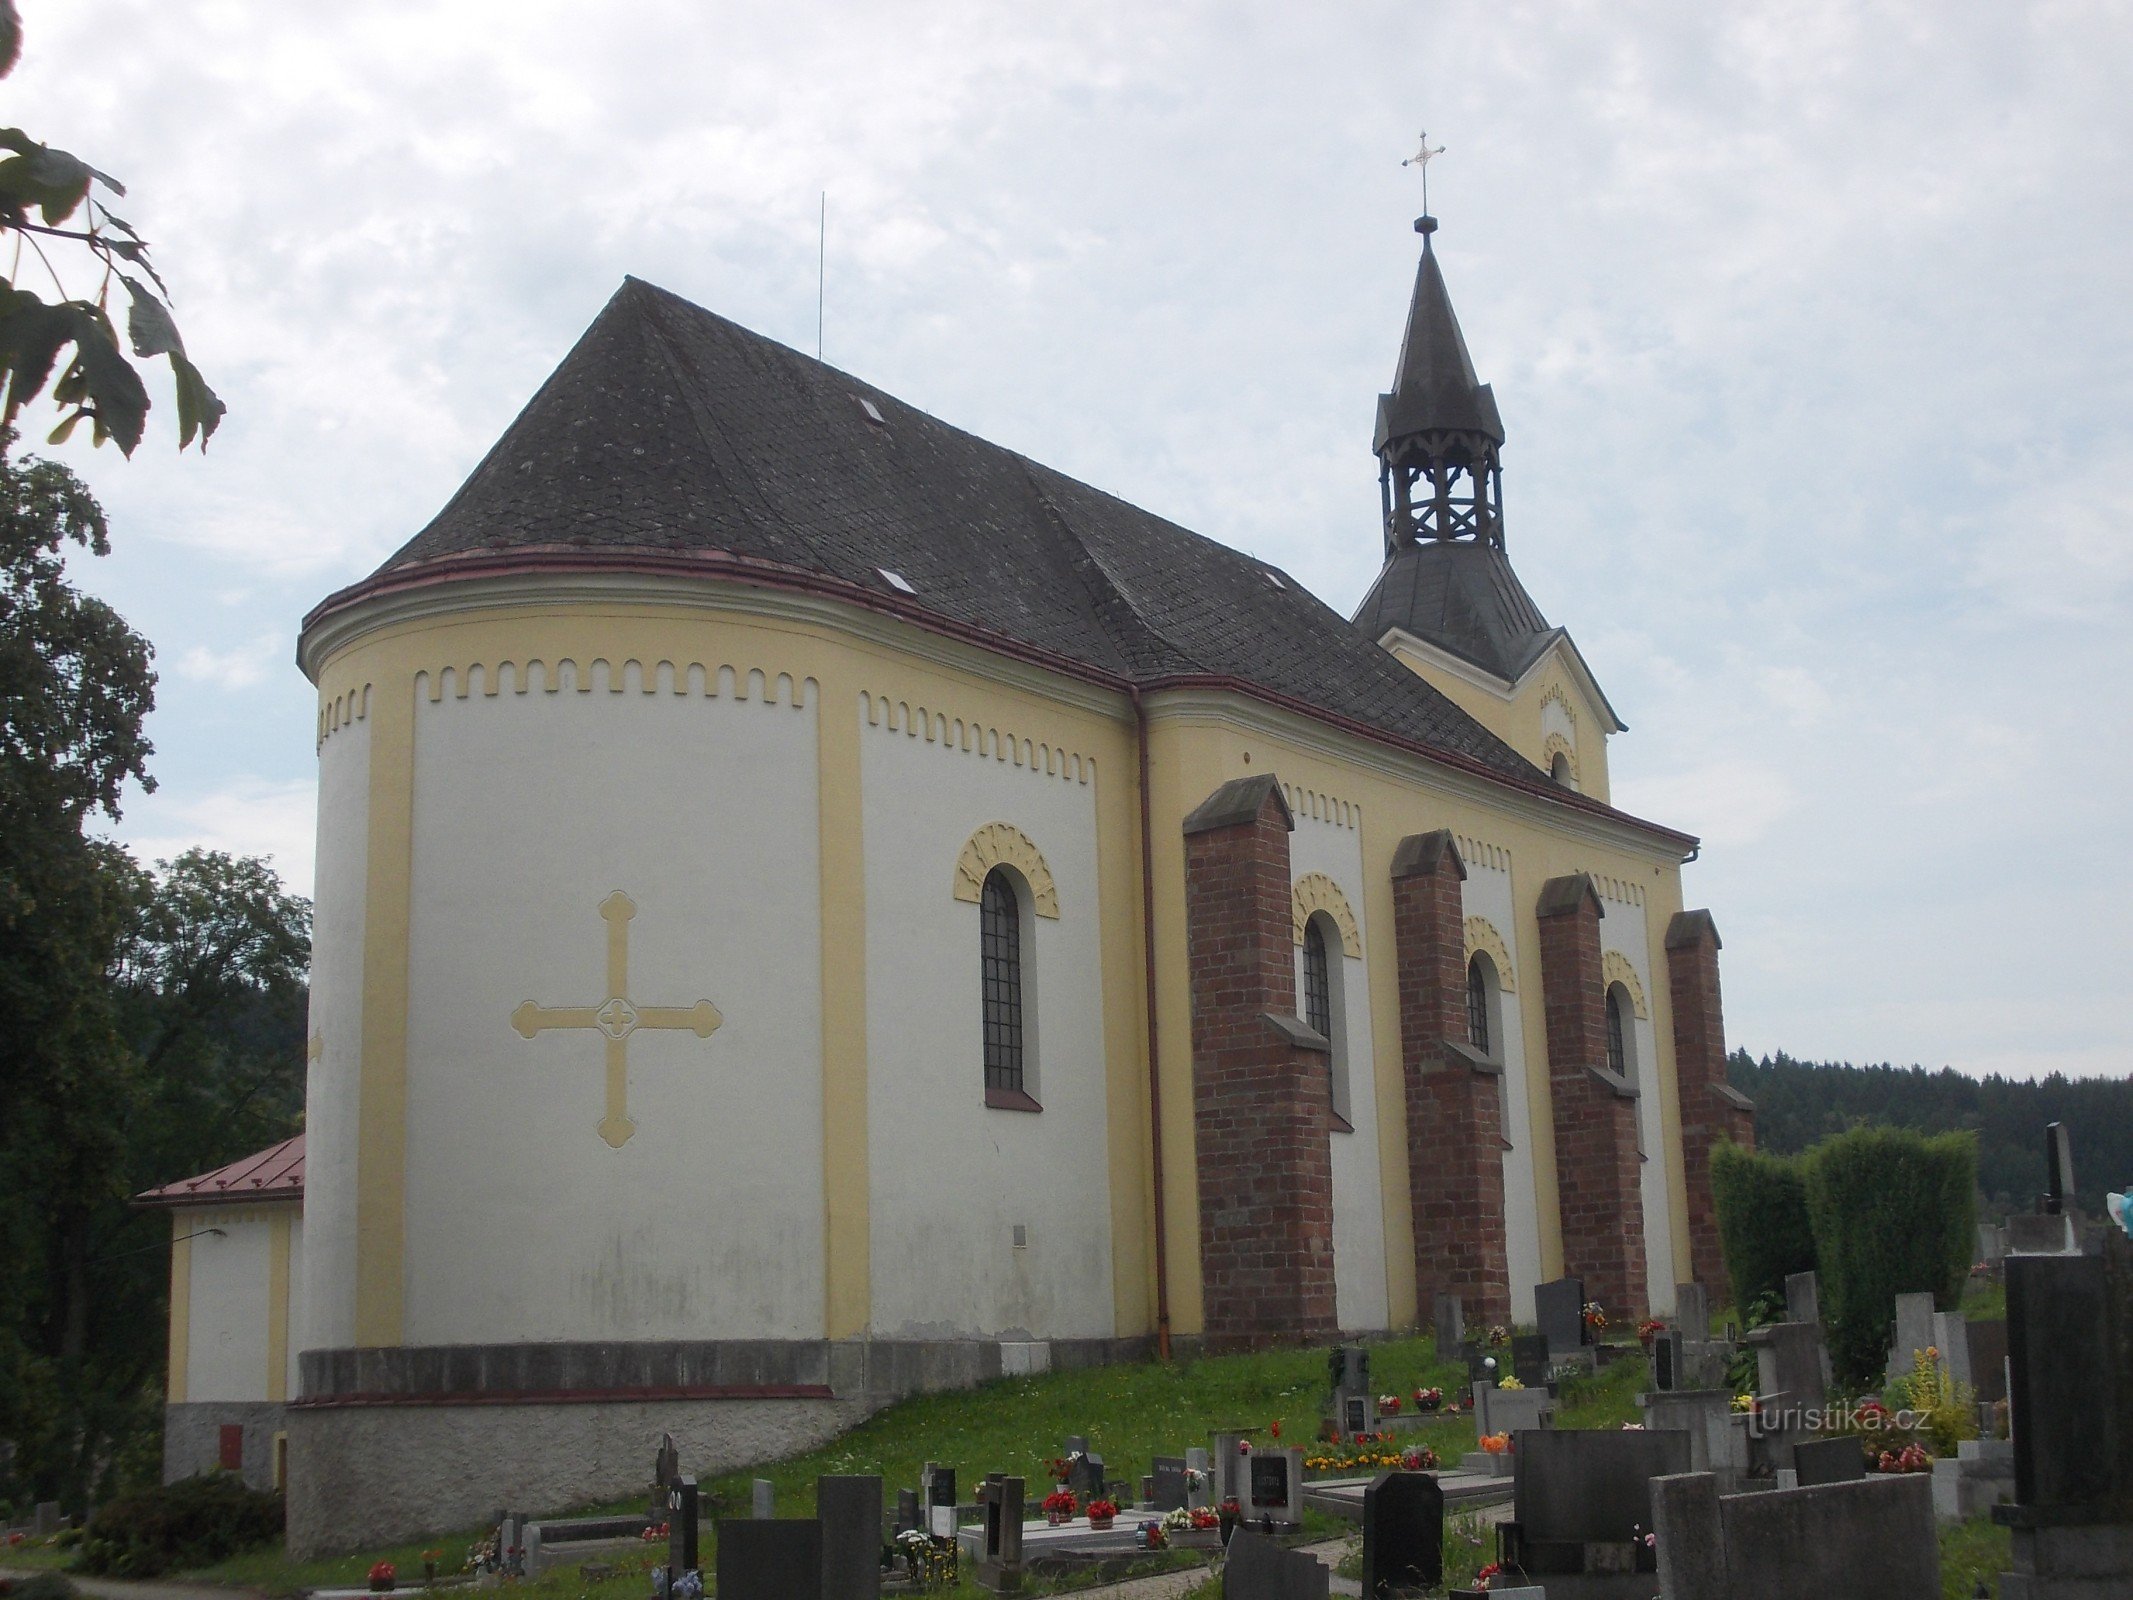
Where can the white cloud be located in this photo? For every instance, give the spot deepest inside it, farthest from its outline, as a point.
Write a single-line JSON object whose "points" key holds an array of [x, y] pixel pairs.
{"points": [[242, 666], [243, 815]]}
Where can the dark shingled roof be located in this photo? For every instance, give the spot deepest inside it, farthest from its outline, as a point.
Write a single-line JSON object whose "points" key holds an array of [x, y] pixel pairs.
{"points": [[1460, 594], [670, 429], [1435, 387]]}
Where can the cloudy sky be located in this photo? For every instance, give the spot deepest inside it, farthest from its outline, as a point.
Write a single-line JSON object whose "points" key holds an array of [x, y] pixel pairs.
{"points": [[1810, 324]]}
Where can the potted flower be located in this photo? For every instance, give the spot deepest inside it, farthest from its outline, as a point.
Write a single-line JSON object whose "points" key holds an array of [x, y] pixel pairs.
{"points": [[1418, 1458], [1648, 1330], [1203, 1520], [1101, 1513], [1060, 1507], [430, 1558], [1152, 1536], [1595, 1317], [1429, 1399], [381, 1577], [1227, 1516], [1496, 1444], [1509, 1385], [1389, 1404]]}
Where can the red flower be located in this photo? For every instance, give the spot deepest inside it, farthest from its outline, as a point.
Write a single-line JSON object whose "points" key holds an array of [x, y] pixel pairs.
{"points": [[1277, 1427]]}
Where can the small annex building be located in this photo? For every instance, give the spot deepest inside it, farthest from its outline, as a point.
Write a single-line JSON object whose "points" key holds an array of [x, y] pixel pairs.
{"points": [[813, 906], [236, 1259]]}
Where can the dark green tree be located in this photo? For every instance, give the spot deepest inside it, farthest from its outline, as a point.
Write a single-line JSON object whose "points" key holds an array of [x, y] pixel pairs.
{"points": [[154, 1022]]}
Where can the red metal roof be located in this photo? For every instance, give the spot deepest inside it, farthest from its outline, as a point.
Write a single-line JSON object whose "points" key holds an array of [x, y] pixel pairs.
{"points": [[276, 1173]]}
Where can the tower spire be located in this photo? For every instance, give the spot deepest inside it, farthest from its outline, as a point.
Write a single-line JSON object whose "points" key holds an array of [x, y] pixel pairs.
{"points": [[1438, 437]]}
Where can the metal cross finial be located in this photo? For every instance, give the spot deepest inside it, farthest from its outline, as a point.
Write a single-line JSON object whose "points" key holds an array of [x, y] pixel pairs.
{"points": [[1422, 158], [616, 1018]]}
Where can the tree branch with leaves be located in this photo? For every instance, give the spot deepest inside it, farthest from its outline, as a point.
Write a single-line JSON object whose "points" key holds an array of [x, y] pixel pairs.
{"points": [[41, 189]]}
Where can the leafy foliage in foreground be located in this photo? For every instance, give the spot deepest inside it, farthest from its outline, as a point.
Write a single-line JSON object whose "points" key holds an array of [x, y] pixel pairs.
{"points": [[185, 1524], [41, 190]]}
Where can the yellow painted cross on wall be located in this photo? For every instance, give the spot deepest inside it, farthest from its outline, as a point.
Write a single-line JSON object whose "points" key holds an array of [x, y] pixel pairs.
{"points": [[617, 1017]]}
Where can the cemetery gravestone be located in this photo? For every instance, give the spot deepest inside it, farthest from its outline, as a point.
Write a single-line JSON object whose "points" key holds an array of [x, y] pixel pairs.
{"points": [[1872, 1540], [776, 1560], [2058, 1170], [1988, 1359], [1167, 1488], [1259, 1569], [1951, 1337], [1403, 1534], [1230, 1454], [2041, 1235], [682, 1526], [763, 1499], [1914, 1331], [1199, 1481], [1355, 1404], [1666, 1359], [1820, 1461], [1480, 1361], [1451, 1324], [907, 1512], [1692, 1310], [1581, 1499], [937, 1488], [1803, 1297], [849, 1509], [1275, 1487], [666, 1464], [1002, 1567], [1529, 1359], [1559, 1307]]}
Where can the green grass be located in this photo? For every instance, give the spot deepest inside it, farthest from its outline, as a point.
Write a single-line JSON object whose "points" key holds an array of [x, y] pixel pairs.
{"points": [[1985, 1300], [1970, 1551], [37, 1556], [1129, 1413]]}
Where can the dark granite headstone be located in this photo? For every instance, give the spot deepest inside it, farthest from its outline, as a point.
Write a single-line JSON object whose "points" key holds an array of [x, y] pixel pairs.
{"points": [[1529, 1359], [908, 1515], [2058, 1170], [776, 1560], [1269, 1482], [1820, 1461], [682, 1525], [1085, 1476], [936, 1485], [2065, 1401], [1001, 1568], [1988, 1359], [1477, 1357], [1169, 1483], [849, 1509], [1259, 1569], [1576, 1489], [1666, 1359], [666, 1464], [1559, 1308], [1403, 1533]]}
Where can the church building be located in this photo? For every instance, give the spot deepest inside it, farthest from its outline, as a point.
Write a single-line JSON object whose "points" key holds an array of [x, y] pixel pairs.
{"points": [[813, 906]]}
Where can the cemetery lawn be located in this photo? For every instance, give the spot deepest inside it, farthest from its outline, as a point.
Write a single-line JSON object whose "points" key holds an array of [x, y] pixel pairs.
{"points": [[1017, 1425], [1973, 1553]]}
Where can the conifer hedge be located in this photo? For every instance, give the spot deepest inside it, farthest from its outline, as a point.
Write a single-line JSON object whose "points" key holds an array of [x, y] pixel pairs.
{"points": [[1763, 1226], [1893, 1212]]}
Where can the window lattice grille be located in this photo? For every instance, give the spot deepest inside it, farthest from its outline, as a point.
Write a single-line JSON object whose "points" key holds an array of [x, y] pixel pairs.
{"points": [[1000, 942]]}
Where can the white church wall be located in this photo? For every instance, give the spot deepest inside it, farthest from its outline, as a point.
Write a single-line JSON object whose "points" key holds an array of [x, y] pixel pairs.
{"points": [[531, 809], [1625, 942], [328, 1279], [1488, 893], [1328, 839], [951, 1179], [227, 1340]]}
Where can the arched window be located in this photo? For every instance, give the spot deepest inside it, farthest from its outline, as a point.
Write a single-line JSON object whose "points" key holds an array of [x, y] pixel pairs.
{"points": [[1000, 953], [1619, 1061], [1559, 769], [1324, 983], [1477, 1003], [1317, 983]]}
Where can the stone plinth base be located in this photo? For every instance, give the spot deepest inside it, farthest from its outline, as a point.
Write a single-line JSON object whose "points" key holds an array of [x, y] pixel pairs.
{"points": [[2092, 1563]]}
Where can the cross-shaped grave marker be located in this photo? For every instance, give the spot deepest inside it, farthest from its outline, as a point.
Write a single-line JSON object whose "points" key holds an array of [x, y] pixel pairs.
{"points": [[617, 1017]]}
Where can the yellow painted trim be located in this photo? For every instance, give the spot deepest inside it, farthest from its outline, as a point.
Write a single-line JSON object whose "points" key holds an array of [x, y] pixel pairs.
{"points": [[999, 844], [278, 1304], [1482, 939], [381, 1093], [1381, 837], [847, 1241], [181, 1308], [1315, 892], [1615, 968]]}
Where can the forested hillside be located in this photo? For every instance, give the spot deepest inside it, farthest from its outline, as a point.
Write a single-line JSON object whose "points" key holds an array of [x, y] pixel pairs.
{"points": [[1799, 1102]]}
